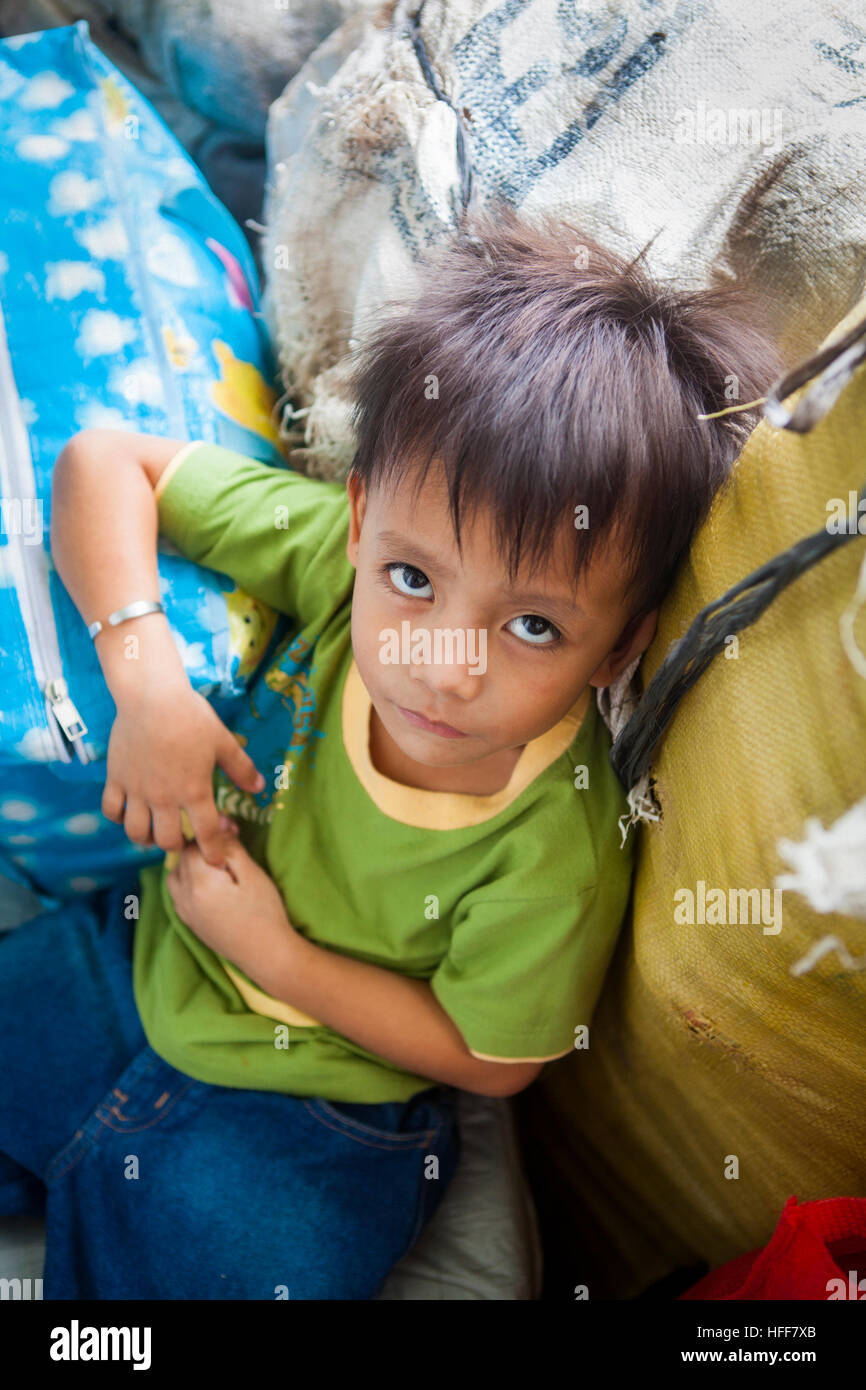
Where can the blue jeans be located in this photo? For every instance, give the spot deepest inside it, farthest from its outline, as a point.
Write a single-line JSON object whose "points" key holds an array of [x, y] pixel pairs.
{"points": [[155, 1185]]}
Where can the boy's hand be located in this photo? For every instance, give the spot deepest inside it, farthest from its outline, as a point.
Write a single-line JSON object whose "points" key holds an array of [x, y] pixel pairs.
{"points": [[236, 910], [164, 745]]}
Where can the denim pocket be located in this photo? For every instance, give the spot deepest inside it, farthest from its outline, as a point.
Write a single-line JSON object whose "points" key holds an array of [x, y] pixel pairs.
{"points": [[411, 1124], [148, 1093]]}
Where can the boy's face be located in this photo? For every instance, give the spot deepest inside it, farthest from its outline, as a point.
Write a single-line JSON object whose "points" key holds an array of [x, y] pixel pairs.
{"points": [[519, 656]]}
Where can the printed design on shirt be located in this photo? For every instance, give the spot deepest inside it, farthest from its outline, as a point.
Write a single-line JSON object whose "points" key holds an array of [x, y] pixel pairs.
{"points": [[231, 801], [240, 805], [283, 688], [298, 696], [286, 686]]}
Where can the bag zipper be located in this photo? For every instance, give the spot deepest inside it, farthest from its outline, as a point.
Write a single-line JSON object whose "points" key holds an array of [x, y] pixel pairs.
{"points": [[29, 564]]}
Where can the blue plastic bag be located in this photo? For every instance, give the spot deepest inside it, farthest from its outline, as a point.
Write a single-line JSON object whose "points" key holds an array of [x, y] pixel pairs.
{"points": [[128, 299]]}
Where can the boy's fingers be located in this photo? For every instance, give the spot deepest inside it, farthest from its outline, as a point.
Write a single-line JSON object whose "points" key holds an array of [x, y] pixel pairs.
{"points": [[194, 863], [113, 799], [234, 856], [136, 821], [166, 828], [209, 838], [230, 825], [239, 766]]}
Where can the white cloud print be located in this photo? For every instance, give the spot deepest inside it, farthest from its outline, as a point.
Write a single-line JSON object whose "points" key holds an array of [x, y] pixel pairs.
{"points": [[96, 416], [79, 126], [72, 192], [170, 259], [138, 383], [36, 746], [45, 91], [179, 170], [19, 41], [41, 149], [192, 654], [17, 807], [69, 279], [105, 241], [84, 823], [102, 332], [10, 82]]}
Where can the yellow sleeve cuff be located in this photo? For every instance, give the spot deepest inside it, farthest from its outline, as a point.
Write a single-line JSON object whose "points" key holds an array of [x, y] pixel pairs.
{"points": [[171, 468], [485, 1057]]}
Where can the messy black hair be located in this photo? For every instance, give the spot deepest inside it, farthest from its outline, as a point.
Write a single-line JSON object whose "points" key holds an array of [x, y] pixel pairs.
{"points": [[545, 372]]}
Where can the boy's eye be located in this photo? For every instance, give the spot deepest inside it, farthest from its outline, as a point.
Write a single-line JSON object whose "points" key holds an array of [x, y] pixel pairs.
{"points": [[409, 576], [538, 630]]}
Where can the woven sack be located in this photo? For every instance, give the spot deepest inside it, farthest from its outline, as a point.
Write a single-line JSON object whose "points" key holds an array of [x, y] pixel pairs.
{"points": [[716, 1081], [711, 130]]}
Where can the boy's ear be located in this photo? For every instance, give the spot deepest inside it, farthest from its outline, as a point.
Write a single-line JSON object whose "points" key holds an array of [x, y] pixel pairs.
{"points": [[633, 640], [357, 507]]}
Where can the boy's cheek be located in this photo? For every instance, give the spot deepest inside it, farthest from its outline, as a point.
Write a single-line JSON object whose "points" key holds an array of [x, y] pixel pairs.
{"points": [[370, 615]]}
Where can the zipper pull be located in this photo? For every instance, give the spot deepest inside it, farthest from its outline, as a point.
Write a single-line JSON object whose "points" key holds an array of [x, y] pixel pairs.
{"points": [[64, 711]]}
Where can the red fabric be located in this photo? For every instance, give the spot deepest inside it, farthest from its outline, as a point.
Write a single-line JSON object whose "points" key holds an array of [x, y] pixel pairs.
{"points": [[812, 1244]]}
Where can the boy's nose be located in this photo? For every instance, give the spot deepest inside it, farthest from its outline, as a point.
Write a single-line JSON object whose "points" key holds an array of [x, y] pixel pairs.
{"points": [[460, 680], [449, 677]]}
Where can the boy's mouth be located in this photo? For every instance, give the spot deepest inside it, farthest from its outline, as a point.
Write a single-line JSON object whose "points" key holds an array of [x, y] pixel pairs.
{"points": [[431, 725]]}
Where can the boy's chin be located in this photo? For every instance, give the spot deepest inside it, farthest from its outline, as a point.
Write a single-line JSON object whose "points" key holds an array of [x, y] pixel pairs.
{"points": [[432, 755], [429, 749]]}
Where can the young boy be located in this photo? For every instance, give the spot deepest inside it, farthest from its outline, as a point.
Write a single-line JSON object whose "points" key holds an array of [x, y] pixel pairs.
{"points": [[416, 883]]}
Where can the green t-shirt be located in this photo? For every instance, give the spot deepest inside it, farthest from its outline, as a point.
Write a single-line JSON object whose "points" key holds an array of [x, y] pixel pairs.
{"points": [[509, 904]]}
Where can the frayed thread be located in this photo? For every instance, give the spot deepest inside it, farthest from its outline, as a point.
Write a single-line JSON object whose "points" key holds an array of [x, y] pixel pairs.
{"points": [[642, 806]]}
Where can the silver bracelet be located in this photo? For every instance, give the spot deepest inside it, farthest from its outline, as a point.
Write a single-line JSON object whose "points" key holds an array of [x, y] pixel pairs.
{"points": [[129, 610]]}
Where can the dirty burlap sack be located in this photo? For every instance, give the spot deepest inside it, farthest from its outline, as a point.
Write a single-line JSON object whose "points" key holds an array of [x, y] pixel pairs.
{"points": [[731, 137], [716, 1083]]}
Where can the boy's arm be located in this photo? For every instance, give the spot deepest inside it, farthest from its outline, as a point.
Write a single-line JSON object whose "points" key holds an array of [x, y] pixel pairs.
{"points": [[240, 914], [166, 739], [103, 542], [387, 1013]]}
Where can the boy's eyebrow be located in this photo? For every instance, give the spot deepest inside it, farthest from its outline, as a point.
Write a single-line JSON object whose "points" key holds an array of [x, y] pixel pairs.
{"points": [[399, 542], [559, 605], [562, 608]]}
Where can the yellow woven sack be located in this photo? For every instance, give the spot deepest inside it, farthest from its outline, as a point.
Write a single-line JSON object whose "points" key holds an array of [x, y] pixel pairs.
{"points": [[717, 1083]]}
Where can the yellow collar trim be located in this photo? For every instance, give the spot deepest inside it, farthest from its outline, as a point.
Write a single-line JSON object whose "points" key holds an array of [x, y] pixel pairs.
{"points": [[430, 810]]}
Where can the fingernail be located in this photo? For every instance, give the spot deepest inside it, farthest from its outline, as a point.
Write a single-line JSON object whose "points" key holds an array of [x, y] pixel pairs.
{"points": [[260, 783]]}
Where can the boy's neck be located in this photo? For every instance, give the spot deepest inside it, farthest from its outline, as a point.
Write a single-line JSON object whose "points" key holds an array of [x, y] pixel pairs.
{"points": [[482, 778]]}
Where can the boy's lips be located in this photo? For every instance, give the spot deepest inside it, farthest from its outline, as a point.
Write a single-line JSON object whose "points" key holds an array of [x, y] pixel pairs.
{"points": [[431, 725]]}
